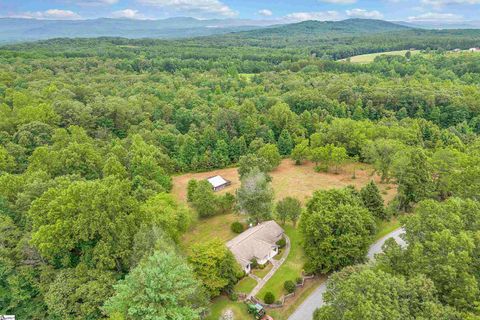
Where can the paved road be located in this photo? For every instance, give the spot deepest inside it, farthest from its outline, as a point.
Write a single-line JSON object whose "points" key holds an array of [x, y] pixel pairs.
{"points": [[315, 300], [276, 265]]}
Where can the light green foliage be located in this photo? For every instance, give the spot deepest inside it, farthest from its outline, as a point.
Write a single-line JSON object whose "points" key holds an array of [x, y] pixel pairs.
{"points": [[270, 153], [383, 296], [79, 293], [7, 162], [285, 143], [90, 221], [382, 153], [206, 203], [301, 152], [288, 208], [162, 210], [328, 155], [255, 196], [249, 162], [215, 266], [336, 230], [443, 241], [160, 287]]}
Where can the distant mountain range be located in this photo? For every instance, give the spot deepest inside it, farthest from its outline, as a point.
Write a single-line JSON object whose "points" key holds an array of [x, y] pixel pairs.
{"points": [[16, 29]]}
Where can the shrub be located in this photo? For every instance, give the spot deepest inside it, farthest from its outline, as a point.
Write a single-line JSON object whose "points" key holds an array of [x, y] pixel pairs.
{"points": [[237, 227], [290, 286], [299, 280], [269, 297], [254, 263], [281, 243], [192, 186], [234, 296]]}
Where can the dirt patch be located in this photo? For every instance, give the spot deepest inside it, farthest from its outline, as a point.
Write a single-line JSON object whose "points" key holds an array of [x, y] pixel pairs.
{"points": [[292, 180]]}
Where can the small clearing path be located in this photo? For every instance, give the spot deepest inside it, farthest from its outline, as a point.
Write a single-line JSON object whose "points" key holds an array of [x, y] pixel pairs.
{"points": [[276, 264]]}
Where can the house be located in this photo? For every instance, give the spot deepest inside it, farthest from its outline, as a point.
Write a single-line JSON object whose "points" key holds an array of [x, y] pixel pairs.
{"points": [[218, 183], [259, 242]]}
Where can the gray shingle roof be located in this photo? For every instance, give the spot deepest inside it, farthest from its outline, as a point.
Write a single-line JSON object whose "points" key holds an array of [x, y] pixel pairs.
{"points": [[256, 242]]}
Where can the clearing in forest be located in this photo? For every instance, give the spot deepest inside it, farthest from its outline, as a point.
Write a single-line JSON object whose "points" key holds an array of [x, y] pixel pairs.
{"points": [[367, 58], [298, 181]]}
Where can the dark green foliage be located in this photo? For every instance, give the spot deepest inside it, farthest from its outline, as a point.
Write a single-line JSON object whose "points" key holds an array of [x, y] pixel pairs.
{"points": [[285, 143], [289, 286], [373, 200], [336, 230], [281, 243], [236, 227], [269, 297]]}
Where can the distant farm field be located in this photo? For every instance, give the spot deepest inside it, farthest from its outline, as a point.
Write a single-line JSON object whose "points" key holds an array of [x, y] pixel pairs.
{"points": [[292, 180], [367, 58]]}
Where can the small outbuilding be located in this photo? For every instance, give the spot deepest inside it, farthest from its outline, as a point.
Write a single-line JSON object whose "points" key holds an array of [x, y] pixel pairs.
{"points": [[218, 183], [259, 242]]}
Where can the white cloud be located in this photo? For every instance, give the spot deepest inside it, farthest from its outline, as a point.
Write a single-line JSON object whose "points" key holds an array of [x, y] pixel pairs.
{"points": [[339, 1], [362, 13], [94, 2], [197, 8], [128, 13], [51, 14], [319, 15], [435, 17], [265, 12]]}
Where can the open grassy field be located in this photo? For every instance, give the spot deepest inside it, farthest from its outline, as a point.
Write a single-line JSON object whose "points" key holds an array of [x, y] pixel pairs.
{"points": [[292, 180], [367, 58]]}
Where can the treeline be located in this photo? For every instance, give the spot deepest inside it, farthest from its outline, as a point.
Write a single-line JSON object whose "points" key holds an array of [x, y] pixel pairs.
{"points": [[88, 144]]}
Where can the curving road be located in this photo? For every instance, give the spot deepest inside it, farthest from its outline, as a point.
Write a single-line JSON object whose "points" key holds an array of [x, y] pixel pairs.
{"points": [[315, 300]]}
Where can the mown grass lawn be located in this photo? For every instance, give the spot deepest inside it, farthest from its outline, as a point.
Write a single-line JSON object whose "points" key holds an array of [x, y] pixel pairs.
{"points": [[367, 58], [245, 285], [290, 269], [262, 272], [222, 303]]}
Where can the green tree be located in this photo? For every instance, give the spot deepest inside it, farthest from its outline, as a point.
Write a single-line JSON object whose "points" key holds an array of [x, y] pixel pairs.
{"points": [[288, 208], [373, 201], [414, 180], [191, 187], [365, 293], [204, 200], [160, 287], [270, 153], [336, 230], [285, 143], [215, 266], [249, 162], [255, 196], [79, 293], [301, 152], [382, 153]]}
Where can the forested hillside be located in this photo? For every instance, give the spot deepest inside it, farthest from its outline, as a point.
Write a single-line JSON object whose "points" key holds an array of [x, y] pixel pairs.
{"points": [[91, 131]]}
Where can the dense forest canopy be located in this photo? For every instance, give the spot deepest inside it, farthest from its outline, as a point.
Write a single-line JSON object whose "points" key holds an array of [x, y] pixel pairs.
{"points": [[91, 131]]}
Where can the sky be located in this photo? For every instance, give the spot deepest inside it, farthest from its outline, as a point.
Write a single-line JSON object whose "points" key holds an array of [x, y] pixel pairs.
{"points": [[445, 11]]}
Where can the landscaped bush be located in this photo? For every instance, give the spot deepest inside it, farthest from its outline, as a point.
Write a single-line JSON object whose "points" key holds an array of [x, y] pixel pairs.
{"points": [[281, 243], [290, 286], [234, 296], [269, 298], [299, 280], [237, 227], [254, 263]]}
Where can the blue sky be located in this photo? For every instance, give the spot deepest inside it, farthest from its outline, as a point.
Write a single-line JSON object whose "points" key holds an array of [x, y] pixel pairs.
{"points": [[453, 11]]}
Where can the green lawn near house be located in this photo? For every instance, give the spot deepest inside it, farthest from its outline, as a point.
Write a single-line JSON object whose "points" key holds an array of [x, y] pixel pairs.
{"points": [[290, 269], [245, 285], [263, 272], [223, 303]]}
